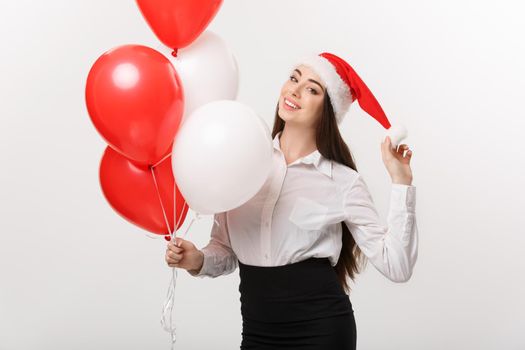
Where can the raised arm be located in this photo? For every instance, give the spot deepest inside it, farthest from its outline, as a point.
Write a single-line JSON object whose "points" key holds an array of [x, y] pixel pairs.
{"points": [[392, 249]]}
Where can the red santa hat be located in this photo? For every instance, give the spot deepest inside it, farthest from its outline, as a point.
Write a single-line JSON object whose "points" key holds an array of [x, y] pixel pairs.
{"points": [[344, 86]]}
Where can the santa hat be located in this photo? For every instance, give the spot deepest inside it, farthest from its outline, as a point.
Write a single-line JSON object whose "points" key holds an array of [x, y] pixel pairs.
{"points": [[344, 86]]}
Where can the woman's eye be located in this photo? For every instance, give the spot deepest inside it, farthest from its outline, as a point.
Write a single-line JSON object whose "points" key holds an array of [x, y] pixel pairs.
{"points": [[292, 78]]}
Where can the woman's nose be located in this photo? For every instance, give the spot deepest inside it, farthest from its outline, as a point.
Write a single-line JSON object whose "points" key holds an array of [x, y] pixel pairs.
{"points": [[295, 91]]}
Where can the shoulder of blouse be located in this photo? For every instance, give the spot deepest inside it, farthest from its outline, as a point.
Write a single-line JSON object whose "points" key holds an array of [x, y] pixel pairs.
{"points": [[343, 174]]}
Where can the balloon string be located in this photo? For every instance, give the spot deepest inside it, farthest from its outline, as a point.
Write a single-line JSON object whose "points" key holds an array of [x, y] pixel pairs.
{"points": [[166, 320], [160, 200], [170, 297], [160, 161], [185, 206]]}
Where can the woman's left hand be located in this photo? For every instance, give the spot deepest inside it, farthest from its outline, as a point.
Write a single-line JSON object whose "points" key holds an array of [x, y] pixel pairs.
{"points": [[397, 165]]}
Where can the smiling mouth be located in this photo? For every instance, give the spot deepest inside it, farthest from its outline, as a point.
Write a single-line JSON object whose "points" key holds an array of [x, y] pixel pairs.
{"points": [[291, 104]]}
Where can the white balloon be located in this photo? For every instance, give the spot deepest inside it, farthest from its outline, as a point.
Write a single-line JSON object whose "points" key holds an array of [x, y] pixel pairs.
{"points": [[208, 71], [221, 156]]}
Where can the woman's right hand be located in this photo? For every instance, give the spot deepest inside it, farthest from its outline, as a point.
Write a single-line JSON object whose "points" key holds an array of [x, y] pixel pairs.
{"points": [[184, 255]]}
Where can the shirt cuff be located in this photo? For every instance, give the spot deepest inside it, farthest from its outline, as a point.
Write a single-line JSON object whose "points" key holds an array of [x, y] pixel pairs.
{"points": [[403, 198], [205, 265]]}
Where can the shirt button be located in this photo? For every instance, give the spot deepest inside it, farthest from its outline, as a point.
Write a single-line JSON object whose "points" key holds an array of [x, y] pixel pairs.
{"points": [[266, 256]]}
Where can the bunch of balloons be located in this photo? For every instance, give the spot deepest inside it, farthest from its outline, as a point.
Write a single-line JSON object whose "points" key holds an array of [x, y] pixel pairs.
{"points": [[177, 139]]}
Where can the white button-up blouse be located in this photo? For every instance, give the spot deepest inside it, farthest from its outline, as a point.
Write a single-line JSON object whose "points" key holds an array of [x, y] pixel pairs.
{"points": [[297, 214]]}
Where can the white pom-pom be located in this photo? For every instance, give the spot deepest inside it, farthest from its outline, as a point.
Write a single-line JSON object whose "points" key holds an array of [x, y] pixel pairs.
{"points": [[396, 133]]}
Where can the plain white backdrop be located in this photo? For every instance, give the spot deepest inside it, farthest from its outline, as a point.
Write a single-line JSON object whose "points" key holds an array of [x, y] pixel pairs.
{"points": [[75, 275]]}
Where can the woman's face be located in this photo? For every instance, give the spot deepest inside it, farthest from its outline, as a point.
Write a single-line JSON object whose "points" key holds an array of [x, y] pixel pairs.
{"points": [[306, 92]]}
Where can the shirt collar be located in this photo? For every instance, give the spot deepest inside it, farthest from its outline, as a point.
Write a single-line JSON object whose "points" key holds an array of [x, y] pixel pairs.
{"points": [[321, 163]]}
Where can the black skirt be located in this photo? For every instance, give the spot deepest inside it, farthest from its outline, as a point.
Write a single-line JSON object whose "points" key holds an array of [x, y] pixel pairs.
{"points": [[295, 306]]}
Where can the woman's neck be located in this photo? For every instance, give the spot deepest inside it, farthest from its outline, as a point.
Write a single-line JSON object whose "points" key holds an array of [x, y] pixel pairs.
{"points": [[296, 143]]}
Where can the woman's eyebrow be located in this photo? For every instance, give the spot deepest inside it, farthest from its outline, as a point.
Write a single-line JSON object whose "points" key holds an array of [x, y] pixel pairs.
{"points": [[313, 81]]}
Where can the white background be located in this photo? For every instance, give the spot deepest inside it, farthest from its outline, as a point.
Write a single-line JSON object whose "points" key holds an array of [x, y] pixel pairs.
{"points": [[75, 275]]}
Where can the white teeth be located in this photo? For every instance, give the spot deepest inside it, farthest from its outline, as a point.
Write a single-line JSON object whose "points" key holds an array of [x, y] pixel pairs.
{"points": [[290, 104]]}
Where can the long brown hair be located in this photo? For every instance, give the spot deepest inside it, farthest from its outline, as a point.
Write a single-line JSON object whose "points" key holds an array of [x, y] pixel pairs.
{"points": [[332, 146]]}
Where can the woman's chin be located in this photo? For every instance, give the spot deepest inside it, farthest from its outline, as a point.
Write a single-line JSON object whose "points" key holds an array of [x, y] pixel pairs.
{"points": [[287, 115]]}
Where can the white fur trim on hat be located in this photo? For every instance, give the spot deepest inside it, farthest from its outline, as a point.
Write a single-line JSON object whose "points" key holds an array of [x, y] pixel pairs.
{"points": [[337, 89]]}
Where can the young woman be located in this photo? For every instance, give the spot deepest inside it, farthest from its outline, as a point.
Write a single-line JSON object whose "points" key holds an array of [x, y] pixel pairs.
{"points": [[313, 223]]}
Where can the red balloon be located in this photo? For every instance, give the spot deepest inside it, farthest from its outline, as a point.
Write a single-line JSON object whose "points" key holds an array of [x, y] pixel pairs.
{"points": [[177, 23], [130, 190], [135, 98]]}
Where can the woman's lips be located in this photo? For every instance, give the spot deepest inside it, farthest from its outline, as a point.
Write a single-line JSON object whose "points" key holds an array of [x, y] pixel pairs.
{"points": [[290, 108]]}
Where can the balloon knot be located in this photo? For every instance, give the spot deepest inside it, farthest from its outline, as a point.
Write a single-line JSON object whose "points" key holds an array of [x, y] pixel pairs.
{"points": [[174, 52]]}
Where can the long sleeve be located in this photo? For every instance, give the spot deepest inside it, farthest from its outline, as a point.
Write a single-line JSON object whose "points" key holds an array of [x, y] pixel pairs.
{"points": [[219, 258], [393, 249]]}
